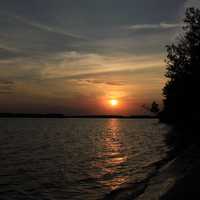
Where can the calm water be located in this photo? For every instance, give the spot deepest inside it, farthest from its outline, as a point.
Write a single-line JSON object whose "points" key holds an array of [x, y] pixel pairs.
{"points": [[75, 158]]}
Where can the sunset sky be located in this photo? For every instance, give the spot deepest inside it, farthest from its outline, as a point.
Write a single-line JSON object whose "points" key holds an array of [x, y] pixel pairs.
{"points": [[74, 56]]}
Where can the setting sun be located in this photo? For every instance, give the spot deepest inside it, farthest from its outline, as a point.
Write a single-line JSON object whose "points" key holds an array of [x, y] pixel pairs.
{"points": [[114, 102]]}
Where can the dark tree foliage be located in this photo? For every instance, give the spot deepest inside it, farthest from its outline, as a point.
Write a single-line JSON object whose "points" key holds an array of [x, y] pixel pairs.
{"points": [[154, 108], [182, 90]]}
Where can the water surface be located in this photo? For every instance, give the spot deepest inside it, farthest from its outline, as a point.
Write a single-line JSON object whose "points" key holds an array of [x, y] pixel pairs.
{"points": [[76, 159]]}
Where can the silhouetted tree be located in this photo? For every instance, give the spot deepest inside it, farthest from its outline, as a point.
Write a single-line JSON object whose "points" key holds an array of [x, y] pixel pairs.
{"points": [[181, 92], [154, 108]]}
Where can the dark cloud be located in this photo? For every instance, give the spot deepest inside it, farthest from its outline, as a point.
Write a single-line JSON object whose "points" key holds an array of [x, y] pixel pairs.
{"points": [[94, 11], [9, 54], [51, 26], [96, 81], [6, 82], [33, 38], [6, 86]]}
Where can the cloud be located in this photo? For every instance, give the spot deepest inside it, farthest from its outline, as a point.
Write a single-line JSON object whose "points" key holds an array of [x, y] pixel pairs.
{"points": [[6, 86], [192, 3], [145, 71], [74, 64], [10, 53], [153, 26], [33, 39], [96, 81], [40, 26], [6, 82], [45, 48]]}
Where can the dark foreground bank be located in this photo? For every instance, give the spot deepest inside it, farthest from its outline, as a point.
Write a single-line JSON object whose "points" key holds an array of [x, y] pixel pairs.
{"points": [[172, 179], [188, 176]]}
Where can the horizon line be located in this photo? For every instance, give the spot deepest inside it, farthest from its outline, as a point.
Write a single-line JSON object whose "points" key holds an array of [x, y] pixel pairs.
{"points": [[60, 115]]}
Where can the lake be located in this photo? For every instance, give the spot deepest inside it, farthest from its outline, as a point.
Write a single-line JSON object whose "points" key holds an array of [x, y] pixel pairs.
{"points": [[76, 159]]}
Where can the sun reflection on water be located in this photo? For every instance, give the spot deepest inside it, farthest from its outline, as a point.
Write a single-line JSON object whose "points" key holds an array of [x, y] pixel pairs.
{"points": [[112, 165]]}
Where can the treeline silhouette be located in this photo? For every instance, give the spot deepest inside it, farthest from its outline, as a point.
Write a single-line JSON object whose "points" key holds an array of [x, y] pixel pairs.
{"points": [[182, 90], [54, 115]]}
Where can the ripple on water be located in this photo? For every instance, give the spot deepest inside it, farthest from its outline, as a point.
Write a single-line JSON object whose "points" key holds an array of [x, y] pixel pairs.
{"points": [[75, 158]]}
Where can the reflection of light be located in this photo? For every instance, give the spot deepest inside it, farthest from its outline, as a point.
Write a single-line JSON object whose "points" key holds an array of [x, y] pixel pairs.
{"points": [[112, 157], [115, 182]]}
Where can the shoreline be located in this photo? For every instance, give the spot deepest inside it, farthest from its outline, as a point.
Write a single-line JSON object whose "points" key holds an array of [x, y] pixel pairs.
{"points": [[170, 179], [134, 190]]}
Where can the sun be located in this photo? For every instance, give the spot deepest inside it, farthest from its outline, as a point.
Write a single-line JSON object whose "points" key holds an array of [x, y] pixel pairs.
{"points": [[113, 102]]}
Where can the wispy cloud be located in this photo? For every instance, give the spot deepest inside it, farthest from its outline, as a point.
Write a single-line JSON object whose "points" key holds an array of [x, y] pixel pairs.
{"points": [[97, 81], [89, 77], [161, 25], [42, 27], [74, 64]]}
